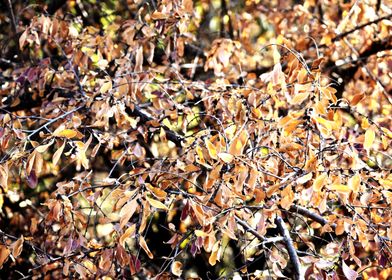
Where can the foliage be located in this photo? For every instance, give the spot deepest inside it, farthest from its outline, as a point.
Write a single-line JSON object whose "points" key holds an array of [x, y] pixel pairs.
{"points": [[205, 139]]}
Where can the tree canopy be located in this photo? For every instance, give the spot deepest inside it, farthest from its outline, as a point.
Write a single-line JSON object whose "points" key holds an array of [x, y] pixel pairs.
{"points": [[204, 139]]}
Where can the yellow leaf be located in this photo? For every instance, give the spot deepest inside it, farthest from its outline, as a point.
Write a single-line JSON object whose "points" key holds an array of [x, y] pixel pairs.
{"points": [[106, 87], [339, 188], [67, 133], [226, 157], [211, 149], [318, 182], [354, 183], [143, 244], [387, 132], [156, 203], [369, 139]]}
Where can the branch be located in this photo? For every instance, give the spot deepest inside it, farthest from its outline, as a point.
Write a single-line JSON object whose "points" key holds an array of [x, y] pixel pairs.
{"points": [[344, 34], [170, 135], [290, 247], [256, 234], [311, 215], [13, 19]]}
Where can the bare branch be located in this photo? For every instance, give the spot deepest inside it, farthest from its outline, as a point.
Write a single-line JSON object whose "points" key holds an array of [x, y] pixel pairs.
{"points": [[290, 247]]}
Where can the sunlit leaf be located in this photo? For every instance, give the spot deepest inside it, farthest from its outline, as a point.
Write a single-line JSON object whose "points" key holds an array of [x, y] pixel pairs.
{"points": [[176, 268], [144, 246], [156, 203], [228, 158], [369, 139], [339, 188]]}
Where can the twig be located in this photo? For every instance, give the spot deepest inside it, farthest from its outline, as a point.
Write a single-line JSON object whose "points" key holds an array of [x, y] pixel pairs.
{"points": [[54, 120], [344, 34], [290, 247], [13, 20]]}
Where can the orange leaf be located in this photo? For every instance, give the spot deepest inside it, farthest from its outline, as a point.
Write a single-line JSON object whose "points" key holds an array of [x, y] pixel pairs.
{"points": [[139, 59], [67, 133], [214, 254], [4, 177], [358, 97]]}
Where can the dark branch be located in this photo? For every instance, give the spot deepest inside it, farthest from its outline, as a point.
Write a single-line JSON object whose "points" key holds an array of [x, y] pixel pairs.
{"points": [[344, 34], [290, 247]]}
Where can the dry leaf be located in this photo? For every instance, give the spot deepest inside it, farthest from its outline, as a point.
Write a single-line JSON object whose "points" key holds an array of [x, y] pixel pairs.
{"points": [[348, 272], [369, 139], [17, 247], [143, 244], [156, 203], [228, 158], [176, 268], [57, 154]]}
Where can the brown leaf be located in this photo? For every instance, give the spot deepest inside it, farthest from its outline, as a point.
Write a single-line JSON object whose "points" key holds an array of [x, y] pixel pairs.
{"points": [[156, 203], [4, 253], [127, 212], [176, 268], [17, 247], [139, 59], [4, 177], [57, 154], [32, 179]]}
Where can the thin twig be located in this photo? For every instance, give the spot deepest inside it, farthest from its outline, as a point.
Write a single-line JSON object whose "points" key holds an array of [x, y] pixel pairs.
{"points": [[344, 34]]}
